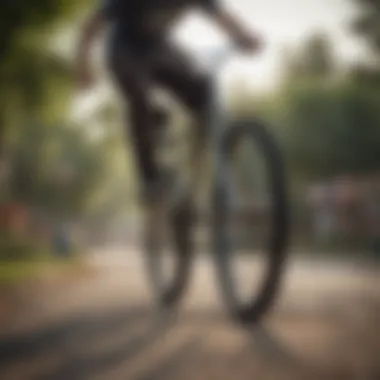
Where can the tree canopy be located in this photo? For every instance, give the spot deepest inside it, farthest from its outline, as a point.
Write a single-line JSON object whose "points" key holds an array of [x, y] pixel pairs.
{"points": [[367, 24]]}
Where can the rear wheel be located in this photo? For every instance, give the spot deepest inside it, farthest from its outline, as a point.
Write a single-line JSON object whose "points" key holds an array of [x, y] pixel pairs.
{"points": [[250, 225], [168, 252]]}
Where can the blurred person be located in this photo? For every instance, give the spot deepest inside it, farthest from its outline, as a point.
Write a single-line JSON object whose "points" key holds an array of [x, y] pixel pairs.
{"points": [[345, 197], [140, 55], [376, 219], [372, 211], [350, 209], [61, 241], [321, 202]]}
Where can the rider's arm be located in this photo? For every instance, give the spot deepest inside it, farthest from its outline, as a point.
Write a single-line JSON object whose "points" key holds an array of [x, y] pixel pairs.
{"points": [[230, 24], [91, 28]]}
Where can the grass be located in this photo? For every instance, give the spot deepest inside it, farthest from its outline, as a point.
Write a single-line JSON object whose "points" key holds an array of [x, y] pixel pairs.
{"points": [[23, 259], [13, 273]]}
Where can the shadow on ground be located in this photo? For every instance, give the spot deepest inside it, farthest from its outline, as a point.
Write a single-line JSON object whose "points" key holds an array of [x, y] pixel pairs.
{"points": [[93, 345], [83, 352]]}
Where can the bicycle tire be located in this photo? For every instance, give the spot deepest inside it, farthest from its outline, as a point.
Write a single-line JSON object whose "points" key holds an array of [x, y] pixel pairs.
{"points": [[180, 223], [260, 303]]}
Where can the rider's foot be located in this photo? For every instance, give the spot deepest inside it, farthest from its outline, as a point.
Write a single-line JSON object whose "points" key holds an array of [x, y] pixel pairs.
{"points": [[157, 190]]}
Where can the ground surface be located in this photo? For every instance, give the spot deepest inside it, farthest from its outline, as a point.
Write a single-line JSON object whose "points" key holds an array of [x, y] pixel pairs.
{"points": [[102, 327]]}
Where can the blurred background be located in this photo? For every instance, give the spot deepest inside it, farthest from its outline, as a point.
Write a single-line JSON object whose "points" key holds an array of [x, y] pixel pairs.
{"points": [[67, 177]]}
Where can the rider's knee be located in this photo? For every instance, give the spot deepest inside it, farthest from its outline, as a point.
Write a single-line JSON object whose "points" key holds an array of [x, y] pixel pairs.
{"points": [[139, 105], [200, 96], [160, 116]]}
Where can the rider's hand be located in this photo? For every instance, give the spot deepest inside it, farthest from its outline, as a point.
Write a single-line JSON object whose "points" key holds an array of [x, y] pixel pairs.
{"points": [[84, 77], [249, 43]]}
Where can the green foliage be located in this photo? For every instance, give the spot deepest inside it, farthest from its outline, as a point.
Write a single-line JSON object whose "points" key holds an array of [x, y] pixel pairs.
{"points": [[56, 168], [16, 272], [333, 130], [32, 81], [18, 249], [367, 76], [329, 124], [35, 86], [35, 89], [368, 23], [314, 60], [30, 18]]}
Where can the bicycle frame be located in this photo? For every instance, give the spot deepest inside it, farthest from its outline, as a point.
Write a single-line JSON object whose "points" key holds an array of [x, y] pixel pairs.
{"points": [[217, 115], [220, 207]]}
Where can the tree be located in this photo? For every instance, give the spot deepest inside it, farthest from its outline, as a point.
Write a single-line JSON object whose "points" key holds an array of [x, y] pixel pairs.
{"points": [[333, 130], [34, 82], [27, 29], [329, 124], [57, 168], [367, 24], [31, 19], [314, 60]]}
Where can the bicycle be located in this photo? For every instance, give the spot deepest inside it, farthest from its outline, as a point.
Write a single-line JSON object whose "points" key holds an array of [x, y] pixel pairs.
{"points": [[179, 219]]}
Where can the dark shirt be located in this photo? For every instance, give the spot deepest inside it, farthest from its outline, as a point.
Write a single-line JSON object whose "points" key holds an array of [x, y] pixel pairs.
{"points": [[148, 19]]}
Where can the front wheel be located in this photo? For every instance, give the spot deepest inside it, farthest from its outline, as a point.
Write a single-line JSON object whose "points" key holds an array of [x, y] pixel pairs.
{"points": [[250, 225]]}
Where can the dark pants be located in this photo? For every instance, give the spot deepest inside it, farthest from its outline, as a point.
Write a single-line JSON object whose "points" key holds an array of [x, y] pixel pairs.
{"points": [[136, 69]]}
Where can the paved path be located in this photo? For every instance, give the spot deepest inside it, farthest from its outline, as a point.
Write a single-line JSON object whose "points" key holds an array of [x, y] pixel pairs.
{"points": [[324, 327]]}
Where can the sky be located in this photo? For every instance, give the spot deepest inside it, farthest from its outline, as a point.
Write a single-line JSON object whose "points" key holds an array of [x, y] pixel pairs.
{"points": [[281, 23]]}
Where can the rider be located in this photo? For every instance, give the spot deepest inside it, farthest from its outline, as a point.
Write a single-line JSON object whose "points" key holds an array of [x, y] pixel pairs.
{"points": [[140, 54]]}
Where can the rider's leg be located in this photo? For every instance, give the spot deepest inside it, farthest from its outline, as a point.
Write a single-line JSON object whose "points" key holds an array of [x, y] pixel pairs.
{"points": [[196, 95], [133, 80], [175, 71], [178, 74]]}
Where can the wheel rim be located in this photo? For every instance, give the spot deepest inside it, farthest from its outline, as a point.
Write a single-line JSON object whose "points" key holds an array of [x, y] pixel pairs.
{"points": [[259, 299], [247, 219]]}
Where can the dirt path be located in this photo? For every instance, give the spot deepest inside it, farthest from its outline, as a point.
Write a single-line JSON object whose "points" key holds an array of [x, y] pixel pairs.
{"points": [[325, 327]]}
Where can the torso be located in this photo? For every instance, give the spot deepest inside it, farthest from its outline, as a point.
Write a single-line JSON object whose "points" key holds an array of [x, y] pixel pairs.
{"points": [[146, 19]]}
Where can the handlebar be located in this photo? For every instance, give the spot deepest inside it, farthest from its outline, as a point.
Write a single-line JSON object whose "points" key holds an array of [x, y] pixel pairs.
{"points": [[217, 57], [221, 55]]}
